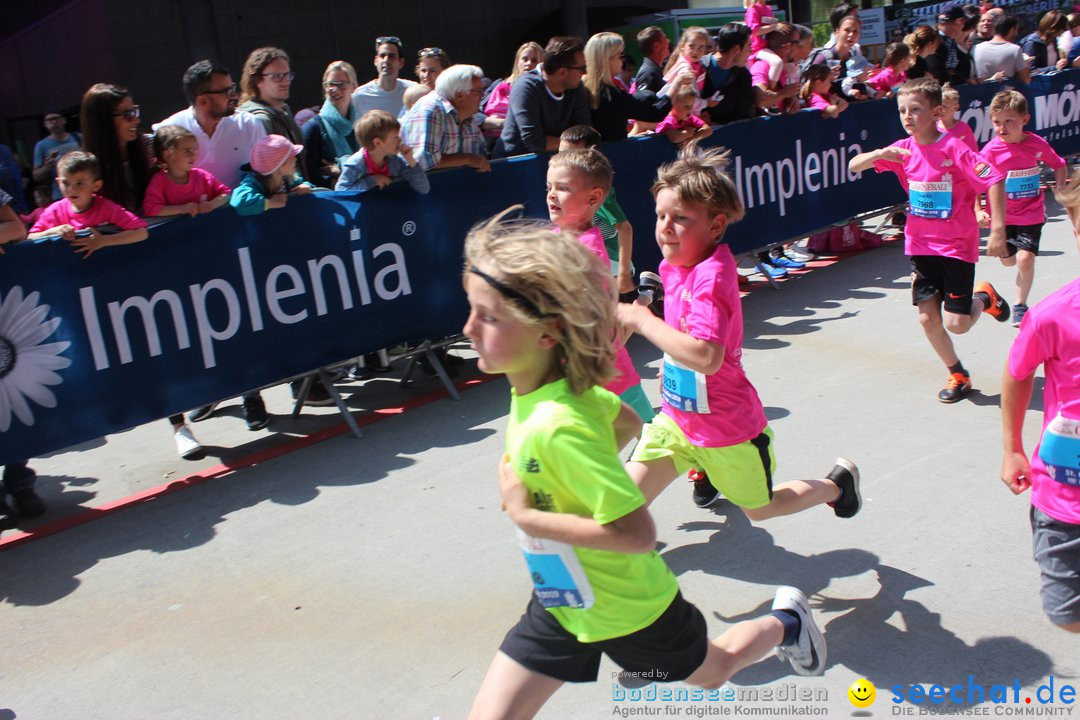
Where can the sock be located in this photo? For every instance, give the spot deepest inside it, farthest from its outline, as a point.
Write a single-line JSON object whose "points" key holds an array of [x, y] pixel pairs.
{"points": [[958, 368], [792, 625], [984, 297]]}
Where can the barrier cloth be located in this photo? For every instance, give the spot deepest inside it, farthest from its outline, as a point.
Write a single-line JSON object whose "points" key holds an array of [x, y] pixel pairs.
{"points": [[211, 306]]}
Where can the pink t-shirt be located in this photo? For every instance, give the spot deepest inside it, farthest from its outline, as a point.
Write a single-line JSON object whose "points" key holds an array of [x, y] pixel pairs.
{"points": [[754, 15], [942, 179], [818, 101], [1050, 336], [498, 103], [162, 191], [692, 121], [703, 301], [627, 376], [102, 212], [963, 131], [1020, 162], [886, 79]]}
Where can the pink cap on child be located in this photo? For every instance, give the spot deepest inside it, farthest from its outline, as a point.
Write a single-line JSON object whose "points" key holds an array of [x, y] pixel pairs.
{"points": [[270, 152]]}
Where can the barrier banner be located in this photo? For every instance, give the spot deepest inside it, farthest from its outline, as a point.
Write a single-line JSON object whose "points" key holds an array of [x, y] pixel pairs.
{"points": [[212, 306]]}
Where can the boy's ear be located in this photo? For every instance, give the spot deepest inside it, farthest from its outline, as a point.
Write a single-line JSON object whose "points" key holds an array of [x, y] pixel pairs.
{"points": [[718, 225], [552, 333], [96, 187], [596, 197]]}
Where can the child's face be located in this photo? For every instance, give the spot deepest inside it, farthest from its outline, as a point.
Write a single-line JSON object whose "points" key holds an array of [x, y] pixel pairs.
{"points": [[916, 115], [695, 47], [949, 106], [682, 107], [288, 167], [79, 188], [390, 143], [821, 86], [685, 232], [505, 344], [181, 157], [570, 203], [1009, 125]]}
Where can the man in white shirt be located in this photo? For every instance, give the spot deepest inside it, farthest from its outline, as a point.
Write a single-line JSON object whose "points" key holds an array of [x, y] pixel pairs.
{"points": [[225, 136], [385, 92]]}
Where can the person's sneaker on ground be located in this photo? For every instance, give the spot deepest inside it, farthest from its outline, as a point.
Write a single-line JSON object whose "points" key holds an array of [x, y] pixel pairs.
{"points": [[356, 371], [704, 492], [7, 516], [846, 476], [809, 654], [186, 445], [28, 503], [799, 255], [201, 413], [997, 308], [786, 262], [255, 413], [773, 271], [956, 388], [1019, 310]]}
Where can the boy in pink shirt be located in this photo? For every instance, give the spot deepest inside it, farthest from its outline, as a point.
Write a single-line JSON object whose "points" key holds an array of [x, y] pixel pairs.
{"points": [[577, 181], [943, 177], [1050, 336], [712, 420], [950, 122], [79, 178], [1018, 154]]}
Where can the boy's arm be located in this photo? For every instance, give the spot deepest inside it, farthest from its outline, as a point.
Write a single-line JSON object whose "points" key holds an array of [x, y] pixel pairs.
{"points": [[95, 241], [415, 175], [698, 355], [632, 533], [995, 244], [625, 232], [191, 208], [866, 160], [1061, 176], [1015, 396]]}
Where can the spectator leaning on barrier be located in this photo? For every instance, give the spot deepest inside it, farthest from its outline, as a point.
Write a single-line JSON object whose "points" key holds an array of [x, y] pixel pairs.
{"points": [[109, 119], [610, 106], [264, 87], [845, 56], [328, 137], [225, 136], [949, 63], [728, 76], [923, 42], [386, 92], [984, 28], [496, 101], [442, 128], [767, 71], [50, 149], [543, 105], [1041, 45], [1001, 57], [655, 47]]}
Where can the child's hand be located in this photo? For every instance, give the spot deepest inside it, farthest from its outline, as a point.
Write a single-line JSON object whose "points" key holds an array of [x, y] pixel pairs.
{"points": [[995, 244], [632, 316], [406, 152], [65, 231], [1016, 472], [205, 206], [277, 200], [301, 190], [87, 245], [381, 181], [626, 281], [515, 497], [191, 208], [479, 163], [983, 218]]}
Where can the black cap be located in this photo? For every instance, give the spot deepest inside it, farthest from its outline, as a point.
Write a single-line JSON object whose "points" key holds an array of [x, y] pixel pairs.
{"points": [[951, 11]]}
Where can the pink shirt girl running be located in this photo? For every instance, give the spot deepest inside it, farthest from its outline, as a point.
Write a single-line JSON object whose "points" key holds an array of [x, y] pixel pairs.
{"points": [[1020, 162]]}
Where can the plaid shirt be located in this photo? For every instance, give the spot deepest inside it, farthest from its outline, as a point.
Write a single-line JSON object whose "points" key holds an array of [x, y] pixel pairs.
{"points": [[432, 128]]}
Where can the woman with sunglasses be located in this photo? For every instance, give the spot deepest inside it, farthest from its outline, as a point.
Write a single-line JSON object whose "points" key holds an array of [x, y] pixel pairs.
{"points": [[109, 119], [430, 62], [329, 139]]}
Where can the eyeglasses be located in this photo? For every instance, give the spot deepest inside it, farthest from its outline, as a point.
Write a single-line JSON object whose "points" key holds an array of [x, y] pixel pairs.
{"points": [[233, 89], [391, 39], [431, 52], [334, 85], [279, 76], [579, 68], [132, 113]]}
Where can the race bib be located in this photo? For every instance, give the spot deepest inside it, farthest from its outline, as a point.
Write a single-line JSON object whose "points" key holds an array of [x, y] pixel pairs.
{"points": [[557, 575], [1060, 450], [683, 388], [931, 199], [1022, 183]]}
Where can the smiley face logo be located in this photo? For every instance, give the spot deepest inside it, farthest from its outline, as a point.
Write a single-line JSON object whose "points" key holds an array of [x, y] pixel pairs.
{"points": [[862, 693]]}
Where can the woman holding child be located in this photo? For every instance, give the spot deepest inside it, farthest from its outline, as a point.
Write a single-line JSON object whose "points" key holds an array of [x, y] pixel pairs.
{"points": [[328, 137]]}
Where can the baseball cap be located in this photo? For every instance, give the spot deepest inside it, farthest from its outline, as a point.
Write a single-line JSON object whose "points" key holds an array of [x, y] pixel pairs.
{"points": [[270, 152], [951, 11]]}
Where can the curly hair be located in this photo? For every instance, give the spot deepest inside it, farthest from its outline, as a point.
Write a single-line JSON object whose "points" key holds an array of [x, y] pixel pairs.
{"points": [[253, 67], [550, 278], [701, 178]]}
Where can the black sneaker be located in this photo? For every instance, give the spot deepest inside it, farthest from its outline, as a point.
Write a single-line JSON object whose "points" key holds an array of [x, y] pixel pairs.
{"points": [[318, 395], [704, 492], [201, 413], [255, 413], [846, 476], [373, 363], [7, 516], [956, 388], [28, 503]]}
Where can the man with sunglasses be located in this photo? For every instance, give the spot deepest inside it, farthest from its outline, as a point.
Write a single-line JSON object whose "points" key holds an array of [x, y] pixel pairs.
{"points": [[386, 92], [264, 88], [225, 136], [544, 103]]}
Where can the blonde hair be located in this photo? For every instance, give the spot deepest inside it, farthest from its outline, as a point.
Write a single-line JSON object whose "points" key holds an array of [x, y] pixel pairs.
{"points": [[545, 276], [950, 94], [588, 162], [598, 51], [690, 32], [344, 67], [926, 86], [1009, 100], [517, 58], [811, 75], [701, 178]]}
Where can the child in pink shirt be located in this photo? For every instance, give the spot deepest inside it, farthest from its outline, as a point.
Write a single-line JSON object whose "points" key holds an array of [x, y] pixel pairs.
{"points": [[577, 181], [681, 124], [686, 58], [943, 177], [950, 120], [894, 74], [1018, 154], [1050, 336], [712, 419], [81, 209], [178, 187], [759, 16], [817, 92]]}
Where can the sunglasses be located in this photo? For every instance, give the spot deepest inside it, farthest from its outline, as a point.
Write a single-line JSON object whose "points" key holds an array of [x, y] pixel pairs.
{"points": [[132, 113], [233, 89], [279, 76], [391, 39], [431, 52]]}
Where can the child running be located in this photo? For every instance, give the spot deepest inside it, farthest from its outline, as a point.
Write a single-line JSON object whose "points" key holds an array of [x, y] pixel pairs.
{"points": [[712, 420], [943, 177], [382, 157], [577, 182], [542, 314], [1018, 154], [950, 121], [178, 187]]}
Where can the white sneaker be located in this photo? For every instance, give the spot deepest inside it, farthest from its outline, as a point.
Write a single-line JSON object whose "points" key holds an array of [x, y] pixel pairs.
{"points": [[808, 655], [186, 444]]}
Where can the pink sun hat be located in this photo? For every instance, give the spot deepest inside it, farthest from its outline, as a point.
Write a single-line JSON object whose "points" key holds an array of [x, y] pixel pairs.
{"points": [[270, 152]]}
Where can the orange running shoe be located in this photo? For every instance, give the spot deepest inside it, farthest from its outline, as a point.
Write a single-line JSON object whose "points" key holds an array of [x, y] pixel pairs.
{"points": [[957, 386], [998, 308]]}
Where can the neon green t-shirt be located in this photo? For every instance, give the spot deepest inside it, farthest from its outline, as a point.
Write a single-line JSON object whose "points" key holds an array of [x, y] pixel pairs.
{"points": [[563, 448]]}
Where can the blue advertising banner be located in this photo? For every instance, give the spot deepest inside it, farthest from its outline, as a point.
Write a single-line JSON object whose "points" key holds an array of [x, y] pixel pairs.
{"points": [[209, 307]]}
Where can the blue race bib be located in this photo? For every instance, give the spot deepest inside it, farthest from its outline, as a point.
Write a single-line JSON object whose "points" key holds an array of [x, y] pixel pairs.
{"points": [[931, 200], [1022, 183], [1060, 450], [557, 575], [683, 388]]}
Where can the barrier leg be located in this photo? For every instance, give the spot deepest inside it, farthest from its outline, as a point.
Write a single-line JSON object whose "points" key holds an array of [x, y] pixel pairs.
{"points": [[341, 406], [301, 395]]}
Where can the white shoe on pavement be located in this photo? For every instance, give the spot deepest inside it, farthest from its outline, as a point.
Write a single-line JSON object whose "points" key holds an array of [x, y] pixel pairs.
{"points": [[186, 444]]}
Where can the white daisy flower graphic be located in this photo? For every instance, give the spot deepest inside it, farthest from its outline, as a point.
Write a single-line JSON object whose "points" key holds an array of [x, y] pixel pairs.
{"points": [[26, 365]]}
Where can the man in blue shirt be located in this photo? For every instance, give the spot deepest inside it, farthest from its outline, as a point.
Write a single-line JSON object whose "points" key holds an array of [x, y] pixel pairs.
{"points": [[48, 150]]}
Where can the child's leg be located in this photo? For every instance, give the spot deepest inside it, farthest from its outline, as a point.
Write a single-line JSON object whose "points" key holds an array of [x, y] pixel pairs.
{"points": [[741, 645], [652, 476], [660, 456], [1025, 274], [795, 496], [931, 320], [511, 691]]}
